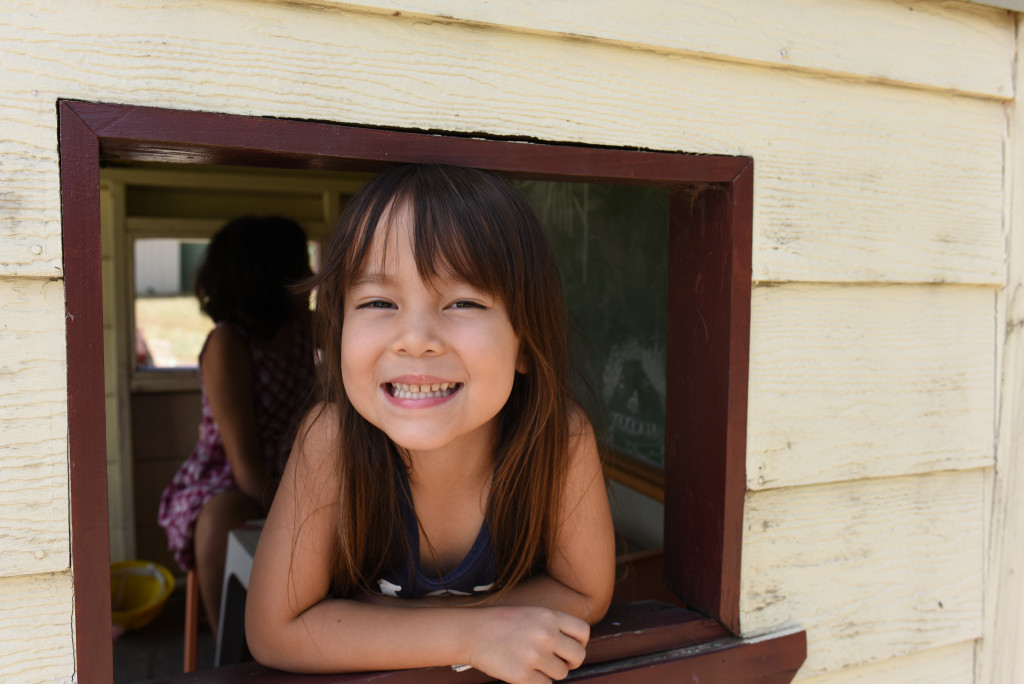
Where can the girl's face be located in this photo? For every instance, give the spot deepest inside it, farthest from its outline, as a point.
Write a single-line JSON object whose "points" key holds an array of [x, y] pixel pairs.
{"points": [[430, 364]]}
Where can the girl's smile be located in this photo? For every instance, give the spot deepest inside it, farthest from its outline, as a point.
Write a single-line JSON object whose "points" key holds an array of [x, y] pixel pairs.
{"points": [[429, 363], [420, 393]]}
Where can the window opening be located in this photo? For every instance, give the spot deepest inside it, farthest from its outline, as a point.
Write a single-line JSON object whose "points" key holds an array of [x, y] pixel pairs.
{"points": [[709, 200]]}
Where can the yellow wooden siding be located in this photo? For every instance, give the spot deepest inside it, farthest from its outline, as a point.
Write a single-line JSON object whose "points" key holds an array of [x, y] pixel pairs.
{"points": [[852, 382], [872, 569], [880, 157], [35, 640], [935, 45], [952, 664], [33, 425], [854, 181], [1001, 653]]}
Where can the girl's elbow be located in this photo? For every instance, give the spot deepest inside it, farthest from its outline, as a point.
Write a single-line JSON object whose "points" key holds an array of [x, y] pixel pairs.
{"points": [[597, 607], [599, 596], [265, 643], [599, 592], [261, 646]]}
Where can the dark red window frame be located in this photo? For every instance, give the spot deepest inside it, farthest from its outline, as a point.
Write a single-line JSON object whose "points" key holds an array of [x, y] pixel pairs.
{"points": [[708, 314]]}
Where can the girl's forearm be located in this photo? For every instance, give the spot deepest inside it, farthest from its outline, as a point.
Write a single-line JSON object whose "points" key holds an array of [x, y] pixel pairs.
{"points": [[541, 591], [508, 642], [539, 626], [545, 590], [339, 635]]}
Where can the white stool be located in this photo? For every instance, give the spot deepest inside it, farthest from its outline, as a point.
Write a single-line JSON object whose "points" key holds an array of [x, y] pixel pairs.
{"points": [[237, 567]]}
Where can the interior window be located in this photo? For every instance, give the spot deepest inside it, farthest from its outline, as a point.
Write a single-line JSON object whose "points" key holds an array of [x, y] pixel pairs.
{"points": [[169, 326]]}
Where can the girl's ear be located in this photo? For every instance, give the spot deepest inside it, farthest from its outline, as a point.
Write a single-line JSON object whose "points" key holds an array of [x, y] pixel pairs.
{"points": [[522, 363]]}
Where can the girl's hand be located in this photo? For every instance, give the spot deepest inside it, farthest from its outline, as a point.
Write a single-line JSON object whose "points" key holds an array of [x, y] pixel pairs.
{"points": [[526, 644]]}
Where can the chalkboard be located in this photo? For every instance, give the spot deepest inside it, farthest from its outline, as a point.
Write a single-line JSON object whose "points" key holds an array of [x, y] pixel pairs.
{"points": [[611, 245]]}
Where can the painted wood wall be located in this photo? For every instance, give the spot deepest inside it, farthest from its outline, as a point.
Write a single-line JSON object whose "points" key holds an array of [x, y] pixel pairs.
{"points": [[884, 510]]}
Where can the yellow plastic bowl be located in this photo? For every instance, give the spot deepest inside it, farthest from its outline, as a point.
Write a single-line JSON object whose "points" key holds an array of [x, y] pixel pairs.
{"points": [[138, 592]]}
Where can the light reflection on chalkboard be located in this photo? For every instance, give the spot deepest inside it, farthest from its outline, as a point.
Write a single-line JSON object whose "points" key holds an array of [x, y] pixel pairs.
{"points": [[611, 246]]}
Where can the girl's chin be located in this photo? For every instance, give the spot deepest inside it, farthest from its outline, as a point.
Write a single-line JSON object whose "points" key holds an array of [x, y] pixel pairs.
{"points": [[421, 446], [414, 441]]}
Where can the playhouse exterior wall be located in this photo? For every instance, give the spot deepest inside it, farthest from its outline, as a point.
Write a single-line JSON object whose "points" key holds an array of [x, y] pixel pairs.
{"points": [[884, 511]]}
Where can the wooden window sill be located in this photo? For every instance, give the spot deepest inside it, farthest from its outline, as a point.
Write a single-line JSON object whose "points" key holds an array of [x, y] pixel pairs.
{"points": [[635, 642]]}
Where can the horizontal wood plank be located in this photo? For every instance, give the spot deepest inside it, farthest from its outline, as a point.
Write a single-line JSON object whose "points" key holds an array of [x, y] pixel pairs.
{"points": [[33, 425], [849, 382], [853, 181], [872, 570], [952, 664], [35, 629], [934, 45]]}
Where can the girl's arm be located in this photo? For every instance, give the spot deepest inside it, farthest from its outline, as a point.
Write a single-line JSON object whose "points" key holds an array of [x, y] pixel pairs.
{"points": [[581, 565], [290, 626], [226, 367]]}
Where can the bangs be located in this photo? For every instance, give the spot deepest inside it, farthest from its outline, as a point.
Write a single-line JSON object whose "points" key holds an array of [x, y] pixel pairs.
{"points": [[464, 227]]}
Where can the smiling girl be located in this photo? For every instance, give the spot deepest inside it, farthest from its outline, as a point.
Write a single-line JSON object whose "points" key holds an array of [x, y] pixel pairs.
{"points": [[444, 505]]}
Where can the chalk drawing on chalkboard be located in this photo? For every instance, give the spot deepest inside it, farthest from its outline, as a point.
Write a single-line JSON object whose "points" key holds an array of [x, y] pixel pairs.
{"points": [[610, 243], [633, 389]]}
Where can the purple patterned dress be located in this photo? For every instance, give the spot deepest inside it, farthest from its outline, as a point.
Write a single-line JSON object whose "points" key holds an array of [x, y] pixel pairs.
{"points": [[281, 384]]}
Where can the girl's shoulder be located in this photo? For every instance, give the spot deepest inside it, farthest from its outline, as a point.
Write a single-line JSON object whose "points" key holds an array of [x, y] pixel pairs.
{"points": [[225, 362], [225, 339], [582, 453], [315, 454], [579, 422], [318, 431]]}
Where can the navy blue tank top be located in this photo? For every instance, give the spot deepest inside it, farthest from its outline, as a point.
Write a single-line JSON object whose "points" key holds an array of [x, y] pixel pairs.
{"points": [[476, 573]]}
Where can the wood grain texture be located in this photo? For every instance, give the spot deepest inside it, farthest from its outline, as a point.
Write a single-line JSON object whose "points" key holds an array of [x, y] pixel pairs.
{"points": [[952, 664], [35, 629], [851, 382], [872, 570], [933, 45], [854, 181], [30, 232], [1001, 655], [33, 425]]}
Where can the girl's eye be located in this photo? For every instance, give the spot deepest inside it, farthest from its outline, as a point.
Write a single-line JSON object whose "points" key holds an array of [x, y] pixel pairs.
{"points": [[466, 304], [375, 304]]}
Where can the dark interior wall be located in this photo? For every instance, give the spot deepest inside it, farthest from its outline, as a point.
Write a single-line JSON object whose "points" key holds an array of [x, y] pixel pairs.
{"points": [[164, 430]]}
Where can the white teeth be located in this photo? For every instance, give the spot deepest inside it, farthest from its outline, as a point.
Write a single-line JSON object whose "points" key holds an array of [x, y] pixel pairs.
{"points": [[401, 390]]}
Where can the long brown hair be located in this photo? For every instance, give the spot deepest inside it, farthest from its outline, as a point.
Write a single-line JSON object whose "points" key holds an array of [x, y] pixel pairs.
{"points": [[475, 226]]}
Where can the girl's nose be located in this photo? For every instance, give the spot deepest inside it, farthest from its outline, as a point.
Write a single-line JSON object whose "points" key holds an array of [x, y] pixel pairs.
{"points": [[417, 335]]}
